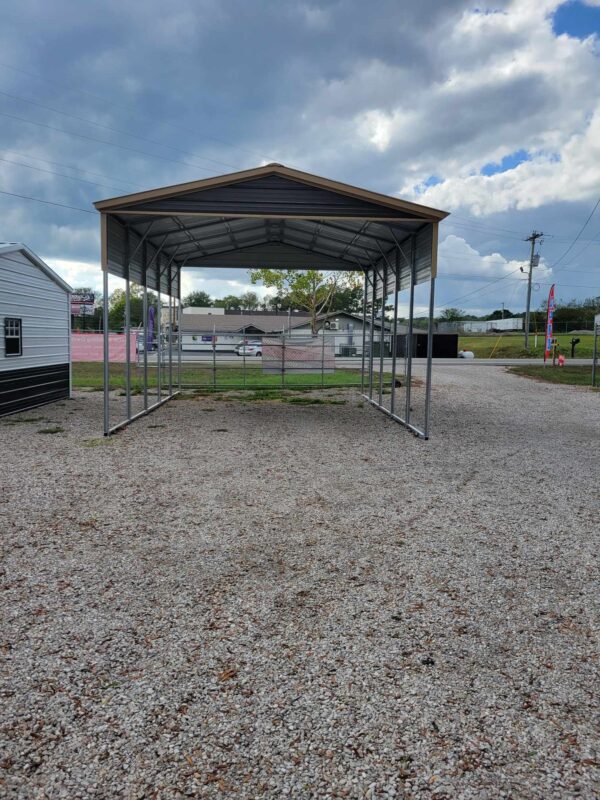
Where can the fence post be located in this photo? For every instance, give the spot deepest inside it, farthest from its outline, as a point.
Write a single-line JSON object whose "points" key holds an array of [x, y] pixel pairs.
{"points": [[282, 358], [214, 349], [322, 358]]}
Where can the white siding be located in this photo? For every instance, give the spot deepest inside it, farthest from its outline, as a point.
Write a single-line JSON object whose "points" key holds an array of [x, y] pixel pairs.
{"points": [[28, 293]]}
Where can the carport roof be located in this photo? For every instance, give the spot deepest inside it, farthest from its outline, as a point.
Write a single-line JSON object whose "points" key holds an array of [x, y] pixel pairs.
{"points": [[270, 216]]}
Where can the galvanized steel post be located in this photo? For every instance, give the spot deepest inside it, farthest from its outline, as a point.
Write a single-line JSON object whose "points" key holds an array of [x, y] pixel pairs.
{"points": [[382, 332], [395, 330], [364, 331], [373, 301], [106, 341], [145, 322], [409, 335], [158, 340], [429, 357]]}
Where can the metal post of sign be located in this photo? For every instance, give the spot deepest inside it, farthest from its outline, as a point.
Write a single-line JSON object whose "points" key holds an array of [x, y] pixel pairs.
{"points": [[409, 336], [429, 357], [382, 332], [395, 330]]}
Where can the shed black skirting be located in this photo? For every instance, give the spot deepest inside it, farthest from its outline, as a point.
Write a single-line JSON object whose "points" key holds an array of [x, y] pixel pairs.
{"points": [[21, 389]]}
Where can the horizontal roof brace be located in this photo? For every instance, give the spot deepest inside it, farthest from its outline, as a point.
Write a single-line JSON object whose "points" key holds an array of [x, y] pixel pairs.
{"points": [[270, 215]]}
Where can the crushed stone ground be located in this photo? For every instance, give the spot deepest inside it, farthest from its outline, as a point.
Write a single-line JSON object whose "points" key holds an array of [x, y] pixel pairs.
{"points": [[267, 600]]}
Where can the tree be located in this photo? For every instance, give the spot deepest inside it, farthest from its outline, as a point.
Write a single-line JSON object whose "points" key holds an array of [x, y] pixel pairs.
{"points": [[452, 315], [116, 307], [499, 314], [249, 301], [349, 299], [230, 302], [309, 289], [198, 299]]}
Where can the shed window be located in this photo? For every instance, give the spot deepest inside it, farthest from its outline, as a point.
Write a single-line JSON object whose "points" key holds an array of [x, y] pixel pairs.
{"points": [[13, 337]]}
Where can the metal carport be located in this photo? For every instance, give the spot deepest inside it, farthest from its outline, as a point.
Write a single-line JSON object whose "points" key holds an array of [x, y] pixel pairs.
{"points": [[269, 216]]}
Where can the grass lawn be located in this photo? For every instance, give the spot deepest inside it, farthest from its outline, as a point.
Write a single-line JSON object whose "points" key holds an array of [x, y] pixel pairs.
{"points": [[575, 376], [510, 345], [88, 374]]}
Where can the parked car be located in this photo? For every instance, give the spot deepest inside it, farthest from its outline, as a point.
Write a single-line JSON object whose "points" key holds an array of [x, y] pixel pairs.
{"points": [[248, 349]]}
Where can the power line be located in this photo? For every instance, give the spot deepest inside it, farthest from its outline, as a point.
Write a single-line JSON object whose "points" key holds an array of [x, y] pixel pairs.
{"points": [[103, 141], [74, 166], [60, 175], [115, 130], [165, 121], [47, 202], [482, 288], [581, 230]]}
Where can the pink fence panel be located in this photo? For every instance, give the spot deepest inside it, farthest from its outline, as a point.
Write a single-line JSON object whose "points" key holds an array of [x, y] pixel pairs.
{"points": [[90, 347]]}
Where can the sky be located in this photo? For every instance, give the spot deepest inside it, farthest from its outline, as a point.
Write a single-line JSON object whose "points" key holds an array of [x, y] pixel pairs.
{"points": [[488, 111]]}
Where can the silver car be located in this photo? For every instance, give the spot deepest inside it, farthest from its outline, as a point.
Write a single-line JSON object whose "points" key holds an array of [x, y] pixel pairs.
{"points": [[248, 349]]}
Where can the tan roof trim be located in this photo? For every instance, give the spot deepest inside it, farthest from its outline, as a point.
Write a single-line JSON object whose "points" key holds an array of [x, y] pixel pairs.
{"points": [[425, 212]]}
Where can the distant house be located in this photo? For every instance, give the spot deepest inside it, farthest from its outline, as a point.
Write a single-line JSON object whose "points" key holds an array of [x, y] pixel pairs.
{"points": [[35, 318], [231, 328]]}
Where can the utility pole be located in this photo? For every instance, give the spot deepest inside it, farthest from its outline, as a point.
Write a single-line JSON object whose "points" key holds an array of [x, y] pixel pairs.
{"points": [[535, 235]]}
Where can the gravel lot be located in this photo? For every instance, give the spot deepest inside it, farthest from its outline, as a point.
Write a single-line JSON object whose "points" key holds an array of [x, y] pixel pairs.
{"points": [[262, 600]]}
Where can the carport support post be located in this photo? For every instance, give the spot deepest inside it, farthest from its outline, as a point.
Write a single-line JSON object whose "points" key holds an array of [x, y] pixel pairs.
{"points": [[373, 301], [179, 343], [106, 347], [364, 331], [145, 315], [323, 355], [158, 339], [429, 356], [595, 352], [127, 330], [170, 335], [395, 330], [409, 336], [382, 332]]}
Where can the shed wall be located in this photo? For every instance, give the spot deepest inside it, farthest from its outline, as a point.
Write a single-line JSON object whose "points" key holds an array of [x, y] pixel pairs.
{"points": [[26, 292]]}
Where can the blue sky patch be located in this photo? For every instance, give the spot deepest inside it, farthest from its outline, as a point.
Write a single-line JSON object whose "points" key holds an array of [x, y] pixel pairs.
{"points": [[577, 19], [510, 161]]}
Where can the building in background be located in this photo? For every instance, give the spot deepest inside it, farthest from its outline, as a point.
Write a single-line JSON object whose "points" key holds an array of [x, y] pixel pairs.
{"points": [[35, 319]]}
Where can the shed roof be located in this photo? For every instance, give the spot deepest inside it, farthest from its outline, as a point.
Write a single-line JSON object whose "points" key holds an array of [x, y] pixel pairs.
{"points": [[267, 323], [18, 247]]}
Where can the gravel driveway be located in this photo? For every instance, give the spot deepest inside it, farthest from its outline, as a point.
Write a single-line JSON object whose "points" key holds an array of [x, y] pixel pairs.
{"points": [[267, 600]]}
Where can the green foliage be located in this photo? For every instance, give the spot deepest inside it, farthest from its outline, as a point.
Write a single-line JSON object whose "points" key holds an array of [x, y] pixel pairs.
{"points": [[230, 302], [249, 301], [310, 289], [116, 311], [198, 299], [452, 315]]}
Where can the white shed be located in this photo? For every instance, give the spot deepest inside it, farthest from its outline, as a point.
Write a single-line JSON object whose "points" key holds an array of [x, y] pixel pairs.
{"points": [[35, 330]]}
